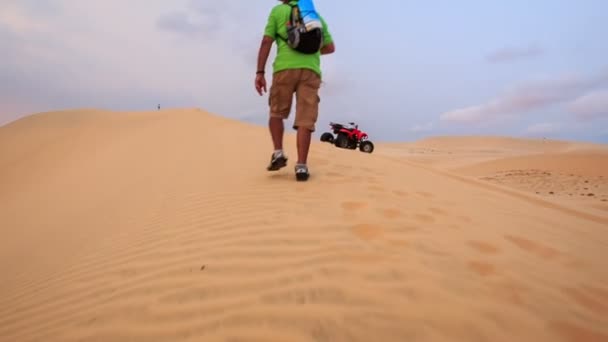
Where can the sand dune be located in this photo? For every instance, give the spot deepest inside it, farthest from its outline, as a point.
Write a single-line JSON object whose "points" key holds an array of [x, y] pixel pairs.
{"points": [[591, 164], [574, 174], [496, 143], [165, 226]]}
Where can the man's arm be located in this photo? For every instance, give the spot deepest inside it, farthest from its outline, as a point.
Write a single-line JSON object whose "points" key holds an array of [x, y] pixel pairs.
{"points": [[329, 48], [264, 51], [270, 32]]}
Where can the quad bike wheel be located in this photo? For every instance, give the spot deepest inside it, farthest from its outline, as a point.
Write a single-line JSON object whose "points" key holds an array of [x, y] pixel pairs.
{"points": [[366, 146], [327, 137], [342, 141]]}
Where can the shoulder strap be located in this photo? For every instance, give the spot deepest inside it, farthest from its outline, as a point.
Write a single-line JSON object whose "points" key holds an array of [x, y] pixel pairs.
{"points": [[294, 16]]}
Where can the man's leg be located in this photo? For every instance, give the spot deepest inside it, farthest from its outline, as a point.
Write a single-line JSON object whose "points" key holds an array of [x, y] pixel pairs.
{"points": [[279, 100], [303, 144], [307, 110], [277, 129]]}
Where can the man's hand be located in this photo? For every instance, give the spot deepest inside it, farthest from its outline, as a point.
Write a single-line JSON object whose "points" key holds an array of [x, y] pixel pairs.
{"points": [[260, 83]]}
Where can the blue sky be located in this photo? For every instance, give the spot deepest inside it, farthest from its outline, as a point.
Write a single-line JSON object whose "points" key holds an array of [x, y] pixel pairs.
{"points": [[402, 69]]}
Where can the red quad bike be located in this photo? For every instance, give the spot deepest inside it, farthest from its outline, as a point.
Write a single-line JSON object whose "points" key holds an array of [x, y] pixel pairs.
{"points": [[348, 136]]}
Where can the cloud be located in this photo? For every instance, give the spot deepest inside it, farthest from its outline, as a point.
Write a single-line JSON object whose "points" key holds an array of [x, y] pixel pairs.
{"points": [[591, 106], [131, 55], [512, 54], [419, 128], [195, 18], [226, 27], [27, 16], [128, 57], [184, 23], [532, 95], [544, 128]]}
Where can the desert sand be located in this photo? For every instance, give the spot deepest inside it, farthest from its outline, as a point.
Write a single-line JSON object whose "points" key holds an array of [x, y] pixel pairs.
{"points": [[165, 226]]}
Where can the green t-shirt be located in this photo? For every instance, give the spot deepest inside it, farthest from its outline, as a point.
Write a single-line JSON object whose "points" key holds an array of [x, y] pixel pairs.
{"points": [[287, 58]]}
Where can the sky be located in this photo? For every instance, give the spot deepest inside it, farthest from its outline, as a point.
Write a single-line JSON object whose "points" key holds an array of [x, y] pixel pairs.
{"points": [[402, 70]]}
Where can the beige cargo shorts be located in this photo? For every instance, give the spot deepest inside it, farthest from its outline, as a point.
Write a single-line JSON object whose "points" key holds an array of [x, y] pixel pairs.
{"points": [[305, 84]]}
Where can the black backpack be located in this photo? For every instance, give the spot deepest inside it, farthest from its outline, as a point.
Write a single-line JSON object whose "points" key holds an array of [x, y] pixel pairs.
{"points": [[300, 39]]}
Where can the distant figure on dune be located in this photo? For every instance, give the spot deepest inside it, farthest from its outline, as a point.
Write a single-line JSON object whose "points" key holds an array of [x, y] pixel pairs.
{"points": [[159, 107], [302, 36]]}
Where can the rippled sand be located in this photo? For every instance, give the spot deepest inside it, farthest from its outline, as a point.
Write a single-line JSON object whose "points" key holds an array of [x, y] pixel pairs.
{"points": [[165, 226]]}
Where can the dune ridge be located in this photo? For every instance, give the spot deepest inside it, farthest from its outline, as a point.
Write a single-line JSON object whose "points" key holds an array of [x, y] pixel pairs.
{"points": [[569, 174], [165, 226]]}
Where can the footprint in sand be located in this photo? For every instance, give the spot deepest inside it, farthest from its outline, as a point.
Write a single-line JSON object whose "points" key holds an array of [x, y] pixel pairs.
{"points": [[334, 174], [391, 213], [406, 230], [400, 193], [399, 243], [600, 292], [352, 205], [425, 194], [513, 293], [373, 180], [322, 161], [367, 232], [369, 170], [533, 247], [325, 295], [430, 250], [482, 268], [465, 219], [571, 332], [376, 188], [591, 301], [482, 247], [438, 211], [424, 218], [575, 264]]}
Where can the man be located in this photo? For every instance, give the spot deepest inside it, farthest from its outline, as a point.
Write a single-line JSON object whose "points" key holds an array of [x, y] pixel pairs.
{"points": [[293, 72]]}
